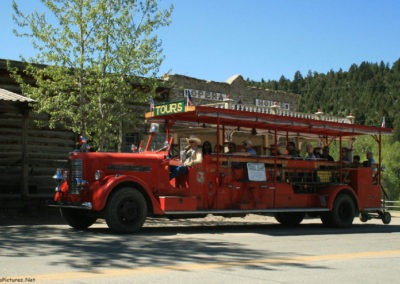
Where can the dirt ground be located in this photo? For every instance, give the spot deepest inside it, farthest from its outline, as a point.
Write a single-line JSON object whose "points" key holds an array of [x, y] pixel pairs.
{"points": [[51, 216], [40, 214]]}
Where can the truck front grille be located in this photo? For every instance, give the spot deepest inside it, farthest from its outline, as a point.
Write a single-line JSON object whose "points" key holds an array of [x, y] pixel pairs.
{"points": [[75, 173]]}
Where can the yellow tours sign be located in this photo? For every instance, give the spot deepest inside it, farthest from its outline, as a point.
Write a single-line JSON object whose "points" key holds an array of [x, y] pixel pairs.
{"points": [[169, 108]]}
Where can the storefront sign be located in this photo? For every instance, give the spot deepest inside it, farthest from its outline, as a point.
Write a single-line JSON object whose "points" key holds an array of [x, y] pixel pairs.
{"points": [[267, 103], [207, 95]]}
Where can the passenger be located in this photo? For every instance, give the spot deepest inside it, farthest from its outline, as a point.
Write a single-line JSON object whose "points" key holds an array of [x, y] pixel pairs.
{"points": [[346, 155], [326, 155], [310, 152], [134, 148], [231, 148], [356, 161], [248, 147], [317, 152], [370, 160], [232, 151], [192, 156], [291, 150], [206, 149]]}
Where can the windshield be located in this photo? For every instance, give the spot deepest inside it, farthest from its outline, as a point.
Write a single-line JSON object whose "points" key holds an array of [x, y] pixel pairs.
{"points": [[157, 141]]}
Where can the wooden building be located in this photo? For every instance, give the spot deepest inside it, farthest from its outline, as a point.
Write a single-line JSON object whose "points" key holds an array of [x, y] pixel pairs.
{"points": [[29, 154]]}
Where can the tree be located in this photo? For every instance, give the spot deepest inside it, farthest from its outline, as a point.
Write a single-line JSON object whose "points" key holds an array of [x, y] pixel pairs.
{"points": [[297, 83], [97, 55], [391, 174]]}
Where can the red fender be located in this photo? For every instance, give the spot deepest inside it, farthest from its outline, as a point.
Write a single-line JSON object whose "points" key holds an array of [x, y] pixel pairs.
{"points": [[102, 189], [333, 191]]}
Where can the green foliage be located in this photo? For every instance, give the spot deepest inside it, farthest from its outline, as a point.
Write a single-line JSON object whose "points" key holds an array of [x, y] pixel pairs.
{"points": [[97, 53], [363, 144], [391, 174], [369, 91]]}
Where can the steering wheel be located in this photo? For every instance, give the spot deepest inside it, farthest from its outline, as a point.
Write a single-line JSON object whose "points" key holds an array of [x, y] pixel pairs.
{"points": [[173, 152], [165, 147]]}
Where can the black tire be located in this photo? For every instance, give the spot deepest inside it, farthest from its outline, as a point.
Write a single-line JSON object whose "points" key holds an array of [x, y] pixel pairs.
{"points": [[326, 219], [344, 211], [78, 218], [289, 218], [386, 218], [126, 211], [364, 217]]}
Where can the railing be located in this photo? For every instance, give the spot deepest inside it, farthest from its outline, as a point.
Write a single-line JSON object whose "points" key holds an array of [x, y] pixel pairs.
{"points": [[283, 112], [392, 205]]}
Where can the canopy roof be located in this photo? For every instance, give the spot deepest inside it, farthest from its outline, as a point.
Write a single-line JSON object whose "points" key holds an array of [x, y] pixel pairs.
{"points": [[281, 121], [6, 95]]}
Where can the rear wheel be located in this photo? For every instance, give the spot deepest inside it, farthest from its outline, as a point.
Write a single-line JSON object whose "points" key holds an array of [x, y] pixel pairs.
{"points": [[342, 214], [289, 218], [126, 211], [364, 217], [386, 218], [77, 218]]}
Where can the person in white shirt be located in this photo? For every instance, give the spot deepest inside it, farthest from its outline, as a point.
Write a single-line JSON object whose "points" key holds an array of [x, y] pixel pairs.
{"points": [[191, 156]]}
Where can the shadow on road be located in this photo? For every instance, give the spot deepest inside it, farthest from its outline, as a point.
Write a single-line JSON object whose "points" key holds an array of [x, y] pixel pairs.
{"points": [[97, 248], [157, 245]]}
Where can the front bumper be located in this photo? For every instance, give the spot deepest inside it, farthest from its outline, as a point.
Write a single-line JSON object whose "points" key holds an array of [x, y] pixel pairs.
{"points": [[72, 205]]}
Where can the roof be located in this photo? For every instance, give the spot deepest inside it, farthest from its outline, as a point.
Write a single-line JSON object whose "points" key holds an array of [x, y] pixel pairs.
{"points": [[6, 95], [281, 121]]}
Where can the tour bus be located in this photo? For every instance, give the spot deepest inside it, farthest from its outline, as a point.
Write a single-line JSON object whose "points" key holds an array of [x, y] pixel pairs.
{"points": [[126, 188]]}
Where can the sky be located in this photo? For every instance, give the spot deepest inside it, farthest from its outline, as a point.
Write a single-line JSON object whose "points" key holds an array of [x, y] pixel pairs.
{"points": [[258, 39]]}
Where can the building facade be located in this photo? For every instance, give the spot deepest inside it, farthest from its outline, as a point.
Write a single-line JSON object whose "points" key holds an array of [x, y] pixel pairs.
{"points": [[235, 93], [235, 89]]}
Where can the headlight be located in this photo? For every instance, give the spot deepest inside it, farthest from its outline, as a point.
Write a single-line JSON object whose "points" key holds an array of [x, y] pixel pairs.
{"points": [[98, 175], [58, 176]]}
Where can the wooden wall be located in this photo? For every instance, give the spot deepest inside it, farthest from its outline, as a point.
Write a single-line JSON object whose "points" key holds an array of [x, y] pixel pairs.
{"points": [[29, 155]]}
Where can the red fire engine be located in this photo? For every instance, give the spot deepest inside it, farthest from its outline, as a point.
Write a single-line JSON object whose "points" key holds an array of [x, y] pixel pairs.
{"points": [[125, 188]]}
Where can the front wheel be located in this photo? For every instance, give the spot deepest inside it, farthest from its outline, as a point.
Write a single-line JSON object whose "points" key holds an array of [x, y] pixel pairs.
{"points": [[126, 211], [78, 218]]}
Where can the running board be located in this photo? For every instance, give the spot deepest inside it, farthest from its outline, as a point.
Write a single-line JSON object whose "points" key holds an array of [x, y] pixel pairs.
{"points": [[248, 211]]}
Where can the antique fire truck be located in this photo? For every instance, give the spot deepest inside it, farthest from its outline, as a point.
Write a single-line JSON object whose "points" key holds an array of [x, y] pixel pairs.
{"points": [[126, 188]]}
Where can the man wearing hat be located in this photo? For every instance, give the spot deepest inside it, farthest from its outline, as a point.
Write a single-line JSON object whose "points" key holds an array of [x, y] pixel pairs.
{"points": [[192, 156], [248, 147]]}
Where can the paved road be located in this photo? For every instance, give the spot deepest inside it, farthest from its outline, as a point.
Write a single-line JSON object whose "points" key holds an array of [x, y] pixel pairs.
{"points": [[211, 250]]}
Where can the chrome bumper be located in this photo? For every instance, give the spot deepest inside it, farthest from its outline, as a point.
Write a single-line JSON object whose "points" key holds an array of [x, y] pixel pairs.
{"points": [[83, 206]]}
